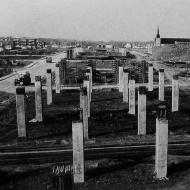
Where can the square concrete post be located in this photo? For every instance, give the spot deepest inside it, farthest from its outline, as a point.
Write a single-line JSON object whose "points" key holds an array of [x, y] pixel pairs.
{"points": [[132, 97], [142, 111], [90, 79], [63, 70], [78, 152], [49, 86], [81, 103], [161, 143], [84, 107], [175, 94], [20, 110], [120, 79], [38, 98], [150, 77], [57, 78], [87, 85], [90, 87], [126, 85], [161, 84]]}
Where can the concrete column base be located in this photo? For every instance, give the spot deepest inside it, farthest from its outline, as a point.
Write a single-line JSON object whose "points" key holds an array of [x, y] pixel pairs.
{"points": [[142, 111], [161, 144], [150, 77], [120, 79], [49, 87], [78, 152], [175, 95], [126, 86], [20, 110], [161, 85], [57, 79], [132, 97]]}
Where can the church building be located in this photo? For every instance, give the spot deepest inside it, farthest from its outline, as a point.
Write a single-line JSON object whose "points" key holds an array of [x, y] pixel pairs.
{"points": [[169, 41]]}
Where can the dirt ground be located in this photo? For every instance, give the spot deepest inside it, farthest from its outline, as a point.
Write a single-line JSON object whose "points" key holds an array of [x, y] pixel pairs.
{"points": [[109, 122], [117, 174]]}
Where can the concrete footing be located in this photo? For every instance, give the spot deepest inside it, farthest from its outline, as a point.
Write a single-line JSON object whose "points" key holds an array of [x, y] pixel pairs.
{"points": [[161, 85], [132, 97], [142, 111], [20, 109], [57, 79], [161, 143], [49, 86], [78, 152], [38, 98], [150, 77], [175, 94], [120, 79], [126, 85]]}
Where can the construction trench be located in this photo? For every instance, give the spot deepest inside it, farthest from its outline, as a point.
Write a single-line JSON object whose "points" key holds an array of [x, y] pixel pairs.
{"points": [[111, 117]]}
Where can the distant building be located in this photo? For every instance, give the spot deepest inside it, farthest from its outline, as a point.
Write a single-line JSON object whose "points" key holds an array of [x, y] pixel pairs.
{"points": [[169, 41], [9, 43], [70, 53], [170, 48], [123, 51], [101, 46], [128, 45], [101, 49], [109, 46]]}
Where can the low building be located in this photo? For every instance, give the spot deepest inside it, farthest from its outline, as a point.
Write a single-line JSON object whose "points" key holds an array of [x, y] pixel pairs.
{"points": [[128, 46]]}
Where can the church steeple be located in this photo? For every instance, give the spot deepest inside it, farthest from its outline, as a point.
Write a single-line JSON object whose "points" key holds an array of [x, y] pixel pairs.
{"points": [[158, 33], [157, 39]]}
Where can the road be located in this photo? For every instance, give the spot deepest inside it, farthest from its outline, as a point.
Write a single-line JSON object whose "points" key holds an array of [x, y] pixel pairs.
{"points": [[38, 67]]}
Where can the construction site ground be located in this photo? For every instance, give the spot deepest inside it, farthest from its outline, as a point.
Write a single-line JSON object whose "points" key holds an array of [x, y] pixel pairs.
{"points": [[109, 123]]}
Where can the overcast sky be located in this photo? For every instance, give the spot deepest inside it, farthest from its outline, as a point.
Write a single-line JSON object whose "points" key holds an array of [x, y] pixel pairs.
{"points": [[95, 19]]}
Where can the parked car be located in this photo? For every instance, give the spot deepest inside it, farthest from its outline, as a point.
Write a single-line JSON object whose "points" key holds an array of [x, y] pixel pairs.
{"points": [[48, 59], [23, 79]]}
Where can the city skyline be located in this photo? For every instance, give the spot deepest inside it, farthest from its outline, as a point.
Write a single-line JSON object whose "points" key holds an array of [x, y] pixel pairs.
{"points": [[121, 20]]}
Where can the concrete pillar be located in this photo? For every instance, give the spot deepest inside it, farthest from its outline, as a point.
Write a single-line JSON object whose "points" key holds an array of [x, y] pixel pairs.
{"points": [[57, 78], [132, 97], [150, 77], [161, 143], [84, 106], [20, 109], [81, 101], [115, 70], [90, 79], [86, 84], [161, 85], [88, 73], [64, 68], [126, 85], [49, 86], [78, 152], [142, 111], [38, 98], [120, 79], [175, 94]]}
